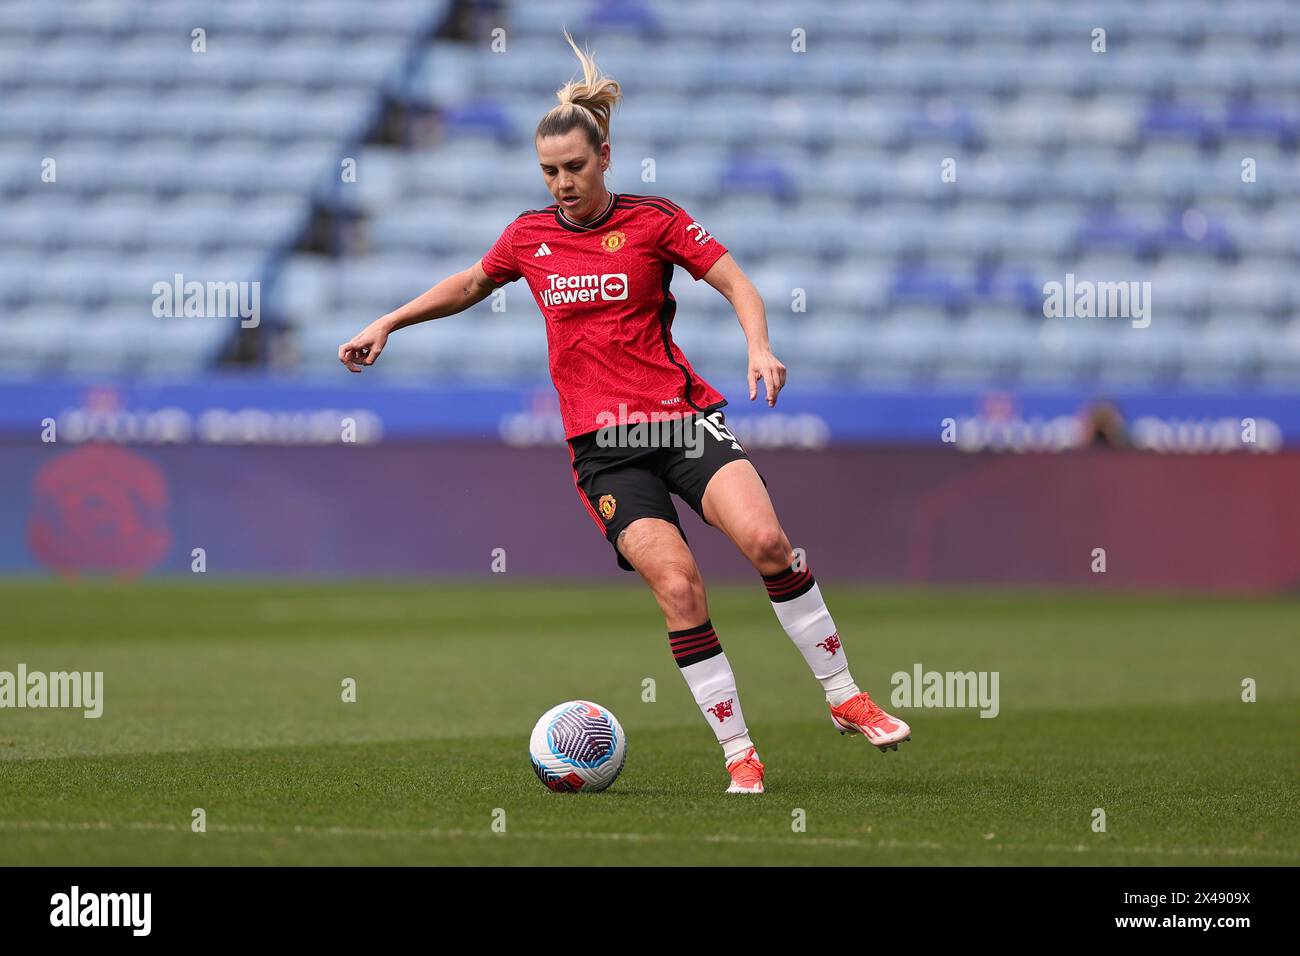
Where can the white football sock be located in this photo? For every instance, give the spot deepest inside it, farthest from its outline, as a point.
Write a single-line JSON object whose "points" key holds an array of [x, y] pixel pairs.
{"points": [[713, 685], [797, 601], [839, 687], [735, 748]]}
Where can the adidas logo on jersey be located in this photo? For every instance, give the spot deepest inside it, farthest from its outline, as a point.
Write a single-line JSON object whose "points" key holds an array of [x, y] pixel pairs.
{"points": [[542, 250]]}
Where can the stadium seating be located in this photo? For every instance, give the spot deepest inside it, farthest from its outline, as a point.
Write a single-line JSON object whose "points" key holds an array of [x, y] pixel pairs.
{"points": [[820, 170], [169, 160]]}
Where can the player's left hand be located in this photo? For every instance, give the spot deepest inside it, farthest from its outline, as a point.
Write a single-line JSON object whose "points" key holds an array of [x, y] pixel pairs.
{"points": [[763, 364]]}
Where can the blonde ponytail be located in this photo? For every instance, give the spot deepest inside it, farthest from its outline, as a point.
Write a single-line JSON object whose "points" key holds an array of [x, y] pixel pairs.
{"points": [[585, 104]]}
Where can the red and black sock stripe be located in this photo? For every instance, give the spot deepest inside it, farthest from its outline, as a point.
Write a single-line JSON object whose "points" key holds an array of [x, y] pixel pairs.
{"points": [[694, 644], [788, 584]]}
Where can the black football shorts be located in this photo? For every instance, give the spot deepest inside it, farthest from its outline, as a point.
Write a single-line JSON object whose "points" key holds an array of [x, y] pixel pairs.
{"points": [[627, 472]]}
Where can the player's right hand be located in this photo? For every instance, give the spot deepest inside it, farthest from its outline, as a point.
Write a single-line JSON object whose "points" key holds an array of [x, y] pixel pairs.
{"points": [[364, 347]]}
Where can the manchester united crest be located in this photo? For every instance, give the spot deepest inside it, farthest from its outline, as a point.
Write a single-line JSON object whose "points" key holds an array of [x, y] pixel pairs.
{"points": [[612, 241], [607, 505]]}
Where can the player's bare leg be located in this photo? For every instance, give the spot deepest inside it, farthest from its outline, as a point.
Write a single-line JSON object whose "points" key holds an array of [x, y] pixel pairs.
{"points": [[736, 501], [660, 555]]}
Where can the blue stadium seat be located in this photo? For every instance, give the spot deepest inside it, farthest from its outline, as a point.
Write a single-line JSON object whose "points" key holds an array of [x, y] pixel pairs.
{"points": [[821, 171]]}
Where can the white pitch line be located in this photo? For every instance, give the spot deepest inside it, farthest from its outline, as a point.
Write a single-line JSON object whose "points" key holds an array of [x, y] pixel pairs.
{"points": [[728, 838]]}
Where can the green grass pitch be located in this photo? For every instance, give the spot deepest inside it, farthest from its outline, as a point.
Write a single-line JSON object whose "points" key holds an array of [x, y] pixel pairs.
{"points": [[227, 696]]}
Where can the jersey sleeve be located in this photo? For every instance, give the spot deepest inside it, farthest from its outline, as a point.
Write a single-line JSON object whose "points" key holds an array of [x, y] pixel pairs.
{"points": [[500, 264], [688, 244]]}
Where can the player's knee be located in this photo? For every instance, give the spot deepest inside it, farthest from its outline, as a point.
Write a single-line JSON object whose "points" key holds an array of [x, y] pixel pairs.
{"points": [[679, 590], [769, 548]]}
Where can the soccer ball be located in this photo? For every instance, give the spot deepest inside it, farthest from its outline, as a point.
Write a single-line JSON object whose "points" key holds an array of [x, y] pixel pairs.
{"points": [[576, 746]]}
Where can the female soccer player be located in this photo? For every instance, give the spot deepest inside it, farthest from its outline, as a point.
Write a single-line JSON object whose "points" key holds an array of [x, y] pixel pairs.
{"points": [[640, 422]]}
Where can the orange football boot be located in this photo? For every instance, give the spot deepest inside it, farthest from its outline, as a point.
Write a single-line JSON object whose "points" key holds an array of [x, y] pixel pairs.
{"points": [[860, 715], [746, 774]]}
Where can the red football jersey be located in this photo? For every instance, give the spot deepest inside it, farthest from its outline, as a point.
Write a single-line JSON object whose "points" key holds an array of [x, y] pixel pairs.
{"points": [[604, 289]]}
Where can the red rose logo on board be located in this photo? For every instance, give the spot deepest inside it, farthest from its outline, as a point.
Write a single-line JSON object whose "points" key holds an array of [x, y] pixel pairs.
{"points": [[100, 508]]}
